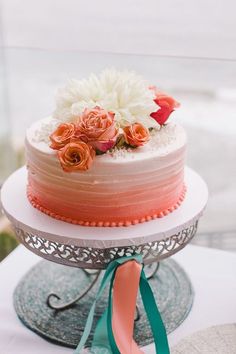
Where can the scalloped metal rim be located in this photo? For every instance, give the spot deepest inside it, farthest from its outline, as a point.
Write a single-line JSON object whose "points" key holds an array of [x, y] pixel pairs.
{"points": [[97, 258]]}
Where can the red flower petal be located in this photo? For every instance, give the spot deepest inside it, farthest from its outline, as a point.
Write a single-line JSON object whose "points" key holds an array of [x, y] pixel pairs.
{"points": [[167, 105], [161, 115]]}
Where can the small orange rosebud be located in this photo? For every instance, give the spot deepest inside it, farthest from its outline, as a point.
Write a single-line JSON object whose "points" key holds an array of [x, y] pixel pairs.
{"points": [[136, 135], [62, 135]]}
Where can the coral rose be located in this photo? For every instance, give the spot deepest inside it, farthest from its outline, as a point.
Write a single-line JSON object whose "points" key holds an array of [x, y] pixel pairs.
{"points": [[166, 103], [76, 156], [97, 127], [62, 135], [136, 135]]}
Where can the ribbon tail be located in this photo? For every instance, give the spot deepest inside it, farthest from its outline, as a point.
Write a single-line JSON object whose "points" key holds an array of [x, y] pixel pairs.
{"points": [[87, 330], [106, 279], [125, 290], [100, 338], [154, 317]]}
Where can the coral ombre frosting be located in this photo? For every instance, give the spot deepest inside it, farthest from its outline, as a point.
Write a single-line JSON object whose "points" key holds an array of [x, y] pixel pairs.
{"points": [[122, 187]]}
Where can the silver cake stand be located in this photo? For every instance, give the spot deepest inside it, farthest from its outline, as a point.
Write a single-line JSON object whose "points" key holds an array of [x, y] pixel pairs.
{"points": [[93, 248]]}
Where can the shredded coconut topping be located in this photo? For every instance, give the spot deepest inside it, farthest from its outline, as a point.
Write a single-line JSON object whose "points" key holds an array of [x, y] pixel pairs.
{"points": [[163, 137], [161, 140], [118, 153]]}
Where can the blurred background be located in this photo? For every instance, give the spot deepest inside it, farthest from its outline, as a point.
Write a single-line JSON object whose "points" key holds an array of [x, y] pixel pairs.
{"points": [[187, 48]]}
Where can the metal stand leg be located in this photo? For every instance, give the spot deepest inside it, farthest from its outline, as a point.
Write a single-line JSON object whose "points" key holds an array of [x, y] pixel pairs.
{"points": [[151, 269], [57, 306]]}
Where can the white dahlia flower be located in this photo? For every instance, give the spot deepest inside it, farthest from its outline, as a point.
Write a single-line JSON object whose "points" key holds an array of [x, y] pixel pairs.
{"points": [[122, 92]]}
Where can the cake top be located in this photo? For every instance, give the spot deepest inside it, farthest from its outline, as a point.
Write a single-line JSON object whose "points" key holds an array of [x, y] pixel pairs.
{"points": [[162, 142], [116, 113]]}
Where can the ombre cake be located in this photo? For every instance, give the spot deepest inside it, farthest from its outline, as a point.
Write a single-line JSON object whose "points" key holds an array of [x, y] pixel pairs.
{"points": [[109, 155]]}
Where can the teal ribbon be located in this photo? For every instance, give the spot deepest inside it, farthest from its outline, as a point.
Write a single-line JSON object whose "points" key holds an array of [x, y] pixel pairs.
{"points": [[103, 336]]}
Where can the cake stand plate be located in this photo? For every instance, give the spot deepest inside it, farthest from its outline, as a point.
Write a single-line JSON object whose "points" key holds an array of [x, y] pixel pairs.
{"points": [[95, 247], [170, 284]]}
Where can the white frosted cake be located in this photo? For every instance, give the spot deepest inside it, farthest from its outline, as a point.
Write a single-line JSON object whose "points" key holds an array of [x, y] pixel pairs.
{"points": [[109, 155]]}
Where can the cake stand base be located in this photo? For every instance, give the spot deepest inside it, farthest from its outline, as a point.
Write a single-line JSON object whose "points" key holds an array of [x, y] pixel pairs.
{"points": [[170, 284]]}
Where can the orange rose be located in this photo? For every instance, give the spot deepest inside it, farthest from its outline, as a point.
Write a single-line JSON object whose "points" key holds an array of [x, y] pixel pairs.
{"points": [[136, 135], [76, 156], [62, 135], [166, 103], [97, 127]]}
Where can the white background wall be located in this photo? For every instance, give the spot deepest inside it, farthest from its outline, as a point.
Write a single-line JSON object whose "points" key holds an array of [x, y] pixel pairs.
{"points": [[192, 28]]}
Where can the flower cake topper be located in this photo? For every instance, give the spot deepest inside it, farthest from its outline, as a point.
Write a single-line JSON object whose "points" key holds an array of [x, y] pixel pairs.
{"points": [[119, 111], [166, 103]]}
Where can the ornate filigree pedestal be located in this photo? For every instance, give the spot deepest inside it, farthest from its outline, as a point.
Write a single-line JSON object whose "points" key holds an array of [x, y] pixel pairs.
{"points": [[97, 258], [93, 248]]}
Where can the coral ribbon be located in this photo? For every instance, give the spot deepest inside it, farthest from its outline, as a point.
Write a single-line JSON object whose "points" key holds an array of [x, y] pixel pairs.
{"points": [[125, 290]]}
